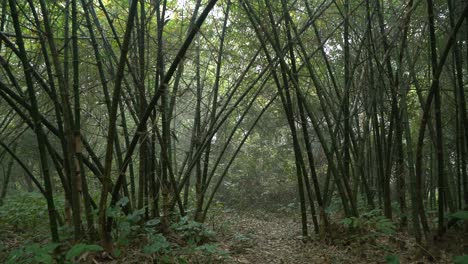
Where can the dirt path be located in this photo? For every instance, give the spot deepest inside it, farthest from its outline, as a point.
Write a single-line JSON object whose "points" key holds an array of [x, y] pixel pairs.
{"points": [[273, 240], [269, 239]]}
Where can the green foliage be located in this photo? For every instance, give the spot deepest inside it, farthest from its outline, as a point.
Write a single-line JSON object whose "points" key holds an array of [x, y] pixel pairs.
{"points": [[65, 231], [153, 222], [81, 248], [192, 231], [392, 259], [25, 210], [212, 249], [165, 252], [126, 225], [370, 224], [241, 238], [34, 253], [158, 244], [461, 259], [460, 215], [136, 216]]}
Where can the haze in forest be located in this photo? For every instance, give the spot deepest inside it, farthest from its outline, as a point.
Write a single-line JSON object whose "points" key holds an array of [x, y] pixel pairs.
{"points": [[233, 131]]}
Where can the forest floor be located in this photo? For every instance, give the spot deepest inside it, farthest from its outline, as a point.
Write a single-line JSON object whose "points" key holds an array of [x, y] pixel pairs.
{"points": [[271, 238], [263, 238]]}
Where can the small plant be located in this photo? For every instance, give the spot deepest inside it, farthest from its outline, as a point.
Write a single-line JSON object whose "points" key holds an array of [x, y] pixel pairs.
{"points": [[192, 231], [241, 238], [127, 225], [370, 224], [34, 253], [25, 210], [78, 249], [158, 244], [160, 249], [211, 250], [392, 259]]}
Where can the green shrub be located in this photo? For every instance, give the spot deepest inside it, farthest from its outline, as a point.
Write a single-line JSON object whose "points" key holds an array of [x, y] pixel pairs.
{"points": [[370, 224], [192, 231], [26, 210], [36, 253], [33, 253], [157, 244], [79, 249]]}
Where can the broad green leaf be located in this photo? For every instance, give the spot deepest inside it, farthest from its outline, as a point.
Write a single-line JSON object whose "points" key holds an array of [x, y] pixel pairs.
{"points": [[123, 202], [158, 244], [112, 211], [80, 248], [153, 222], [135, 216]]}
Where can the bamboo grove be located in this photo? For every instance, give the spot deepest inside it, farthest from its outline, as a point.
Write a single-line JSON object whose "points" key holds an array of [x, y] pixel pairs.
{"points": [[146, 104]]}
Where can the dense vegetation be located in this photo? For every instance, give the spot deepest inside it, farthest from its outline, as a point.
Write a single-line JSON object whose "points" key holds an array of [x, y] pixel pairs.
{"points": [[131, 130]]}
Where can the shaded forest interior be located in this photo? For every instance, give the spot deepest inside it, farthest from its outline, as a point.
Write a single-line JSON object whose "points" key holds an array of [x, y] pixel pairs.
{"points": [[233, 131]]}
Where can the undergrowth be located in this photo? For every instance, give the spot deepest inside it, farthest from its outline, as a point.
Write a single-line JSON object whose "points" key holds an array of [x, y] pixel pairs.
{"points": [[24, 237]]}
